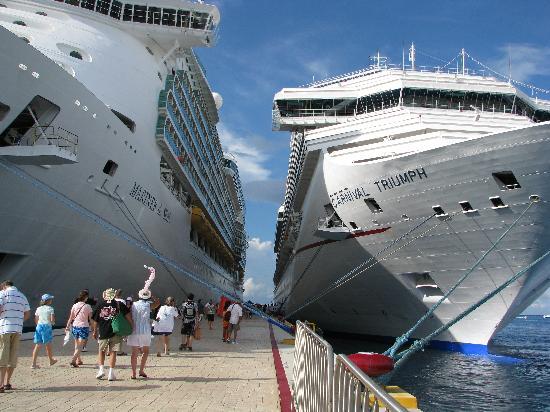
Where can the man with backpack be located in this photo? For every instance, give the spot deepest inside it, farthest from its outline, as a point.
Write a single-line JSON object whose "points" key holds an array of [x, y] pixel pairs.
{"points": [[190, 315]]}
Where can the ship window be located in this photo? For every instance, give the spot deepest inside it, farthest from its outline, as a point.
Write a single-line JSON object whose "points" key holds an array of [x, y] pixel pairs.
{"points": [[116, 7], [373, 205], [25, 40], [127, 16], [154, 15], [110, 168], [149, 50], [159, 75], [506, 180], [168, 17], [353, 225], [439, 210], [20, 23], [102, 6], [41, 13], [497, 202], [140, 14], [129, 123], [182, 19], [4, 109], [76, 55], [466, 206], [87, 4], [72, 2]]}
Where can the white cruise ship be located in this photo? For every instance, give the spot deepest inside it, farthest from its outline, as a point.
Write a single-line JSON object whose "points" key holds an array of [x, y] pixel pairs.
{"points": [[408, 175], [108, 124]]}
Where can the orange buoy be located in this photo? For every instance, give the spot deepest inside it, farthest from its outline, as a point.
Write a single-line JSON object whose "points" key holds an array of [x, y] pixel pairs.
{"points": [[373, 364]]}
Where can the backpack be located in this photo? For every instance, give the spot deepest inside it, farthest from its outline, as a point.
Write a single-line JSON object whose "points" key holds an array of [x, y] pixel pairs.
{"points": [[189, 310]]}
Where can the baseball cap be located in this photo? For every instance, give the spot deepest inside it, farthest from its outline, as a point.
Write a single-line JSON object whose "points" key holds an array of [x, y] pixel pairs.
{"points": [[46, 296]]}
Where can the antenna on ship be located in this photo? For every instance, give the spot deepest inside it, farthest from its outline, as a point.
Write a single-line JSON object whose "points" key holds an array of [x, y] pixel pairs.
{"points": [[379, 61], [412, 55], [463, 54]]}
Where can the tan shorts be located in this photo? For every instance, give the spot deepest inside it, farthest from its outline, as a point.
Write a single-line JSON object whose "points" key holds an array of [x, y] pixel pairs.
{"points": [[110, 345], [9, 345]]}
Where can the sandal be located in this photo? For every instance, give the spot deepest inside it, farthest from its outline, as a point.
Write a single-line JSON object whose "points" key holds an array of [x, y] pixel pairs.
{"points": [[7, 387], [74, 364], [132, 377], [143, 375], [79, 362], [158, 355]]}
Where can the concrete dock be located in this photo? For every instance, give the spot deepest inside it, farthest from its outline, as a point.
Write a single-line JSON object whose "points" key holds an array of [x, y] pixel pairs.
{"points": [[215, 376]]}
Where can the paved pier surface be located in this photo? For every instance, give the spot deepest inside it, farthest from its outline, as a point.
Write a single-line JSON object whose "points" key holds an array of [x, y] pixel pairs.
{"points": [[215, 376]]}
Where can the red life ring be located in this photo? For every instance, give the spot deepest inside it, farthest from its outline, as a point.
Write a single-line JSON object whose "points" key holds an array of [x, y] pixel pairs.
{"points": [[373, 364]]}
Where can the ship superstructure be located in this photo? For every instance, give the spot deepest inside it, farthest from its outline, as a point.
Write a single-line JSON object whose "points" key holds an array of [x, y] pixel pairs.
{"points": [[106, 103], [380, 151]]}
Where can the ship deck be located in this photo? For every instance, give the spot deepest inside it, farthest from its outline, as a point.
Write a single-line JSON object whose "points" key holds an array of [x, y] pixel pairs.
{"points": [[215, 376]]}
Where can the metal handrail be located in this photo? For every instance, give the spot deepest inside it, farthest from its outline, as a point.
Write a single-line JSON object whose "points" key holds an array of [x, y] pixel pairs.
{"points": [[313, 371], [48, 135], [353, 390]]}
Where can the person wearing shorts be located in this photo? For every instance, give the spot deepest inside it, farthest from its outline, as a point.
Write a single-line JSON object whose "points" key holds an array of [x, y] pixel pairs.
{"points": [[140, 339], [190, 314], [102, 330], [14, 309], [164, 324], [79, 325], [210, 310], [43, 334]]}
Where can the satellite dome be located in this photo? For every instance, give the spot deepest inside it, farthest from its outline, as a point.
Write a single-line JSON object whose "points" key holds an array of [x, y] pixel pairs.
{"points": [[218, 99]]}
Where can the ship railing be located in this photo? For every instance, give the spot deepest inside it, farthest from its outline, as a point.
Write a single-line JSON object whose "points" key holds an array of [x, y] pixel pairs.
{"points": [[396, 68], [325, 383], [43, 135]]}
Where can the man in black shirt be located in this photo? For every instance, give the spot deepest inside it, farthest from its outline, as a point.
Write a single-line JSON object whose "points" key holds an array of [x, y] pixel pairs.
{"points": [[102, 330]]}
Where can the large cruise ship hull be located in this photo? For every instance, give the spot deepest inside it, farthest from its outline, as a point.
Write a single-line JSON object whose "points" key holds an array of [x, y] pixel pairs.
{"points": [[47, 246], [405, 277]]}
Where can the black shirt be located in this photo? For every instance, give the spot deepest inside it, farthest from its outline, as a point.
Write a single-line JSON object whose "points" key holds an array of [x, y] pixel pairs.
{"points": [[104, 314]]}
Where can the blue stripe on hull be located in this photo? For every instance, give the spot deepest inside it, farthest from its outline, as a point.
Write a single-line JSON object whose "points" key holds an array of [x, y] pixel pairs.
{"points": [[466, 348]]}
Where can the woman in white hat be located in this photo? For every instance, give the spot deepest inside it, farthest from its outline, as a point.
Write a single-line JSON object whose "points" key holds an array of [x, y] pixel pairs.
{"points": [[141, 335]]}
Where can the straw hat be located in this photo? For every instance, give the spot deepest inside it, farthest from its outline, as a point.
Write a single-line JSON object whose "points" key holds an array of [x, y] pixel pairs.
{"points": [[144, 294], [109, 294]]}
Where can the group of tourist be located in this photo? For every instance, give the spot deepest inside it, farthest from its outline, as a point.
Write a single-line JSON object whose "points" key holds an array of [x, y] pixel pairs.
{"points": [[109, 322]]}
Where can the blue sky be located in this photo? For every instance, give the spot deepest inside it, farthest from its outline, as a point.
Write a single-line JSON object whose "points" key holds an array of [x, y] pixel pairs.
{"points": [[266, 45]]}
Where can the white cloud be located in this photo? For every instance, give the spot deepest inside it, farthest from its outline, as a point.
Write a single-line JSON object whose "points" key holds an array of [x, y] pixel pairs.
{"points": [[526, 61], [250, 158], [260, 245], [256, 291]]}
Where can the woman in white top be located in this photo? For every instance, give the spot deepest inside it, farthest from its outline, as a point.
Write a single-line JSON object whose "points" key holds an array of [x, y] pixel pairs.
{"points": [[140, 339], [164, 324], [79, 326]]}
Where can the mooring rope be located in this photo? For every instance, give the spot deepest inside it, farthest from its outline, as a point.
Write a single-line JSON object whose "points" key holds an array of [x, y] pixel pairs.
{"points": [[419, 344], [401, 340], [356, 271], [109, 227]]}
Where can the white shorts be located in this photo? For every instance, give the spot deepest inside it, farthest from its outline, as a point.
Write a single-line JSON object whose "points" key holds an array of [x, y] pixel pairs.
{"points": [[139, 341]]}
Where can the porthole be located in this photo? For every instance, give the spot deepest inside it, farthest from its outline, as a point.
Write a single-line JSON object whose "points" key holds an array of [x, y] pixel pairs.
{"points": [[110, 168], [20, 23], [76, 55], [149, 50], [41, 13]]}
